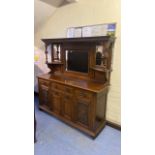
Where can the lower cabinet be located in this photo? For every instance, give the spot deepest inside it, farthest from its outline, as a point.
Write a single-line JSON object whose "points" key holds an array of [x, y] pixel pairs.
{"points": [[75, 105], [72, 104]]}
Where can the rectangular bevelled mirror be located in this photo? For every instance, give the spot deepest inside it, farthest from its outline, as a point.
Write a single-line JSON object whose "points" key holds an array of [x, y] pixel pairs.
{"points": [[76, 60]]}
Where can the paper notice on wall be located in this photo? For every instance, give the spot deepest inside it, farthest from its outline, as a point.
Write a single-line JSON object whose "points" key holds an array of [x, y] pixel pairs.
{"points": [[70, 32], [86, 31], [77, 32], [92, 30], [111, 29], [99, 30]]}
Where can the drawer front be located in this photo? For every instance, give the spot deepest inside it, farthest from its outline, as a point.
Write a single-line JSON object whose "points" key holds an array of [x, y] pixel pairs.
{"points": [[82, 94], [56, 86], [67, 97], [43, 82], [56, 93], [68, 90]]}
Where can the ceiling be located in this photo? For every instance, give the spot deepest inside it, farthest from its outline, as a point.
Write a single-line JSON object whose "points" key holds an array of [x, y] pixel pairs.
{"points": [[43, 9], [55, 3]]}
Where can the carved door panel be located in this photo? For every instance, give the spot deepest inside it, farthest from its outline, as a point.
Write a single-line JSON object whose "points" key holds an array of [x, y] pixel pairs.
{"points": [[55, 102], [67, 107], [44, 95], [82, 113]]}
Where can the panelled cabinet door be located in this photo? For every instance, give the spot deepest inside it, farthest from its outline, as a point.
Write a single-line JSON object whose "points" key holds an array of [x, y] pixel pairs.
{"points": [[44, 95], [55, 102], [67, 102], [82, 113], [67, 107], [55, 97], [83, 108]]}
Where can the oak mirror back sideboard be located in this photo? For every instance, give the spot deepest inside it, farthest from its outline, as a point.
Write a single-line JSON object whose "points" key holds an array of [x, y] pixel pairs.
{"points": [[76, 88]]}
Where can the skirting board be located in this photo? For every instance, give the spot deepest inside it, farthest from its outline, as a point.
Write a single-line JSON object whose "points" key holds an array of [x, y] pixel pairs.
{"points": [[111, 124]]}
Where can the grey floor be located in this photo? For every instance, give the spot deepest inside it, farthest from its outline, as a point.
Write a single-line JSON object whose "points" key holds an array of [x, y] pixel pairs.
{"points": [[56, 138]]}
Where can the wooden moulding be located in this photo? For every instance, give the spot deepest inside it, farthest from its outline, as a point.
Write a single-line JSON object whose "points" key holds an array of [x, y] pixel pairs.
{"points": [[72, 40], [55, 66], [100, 69]]}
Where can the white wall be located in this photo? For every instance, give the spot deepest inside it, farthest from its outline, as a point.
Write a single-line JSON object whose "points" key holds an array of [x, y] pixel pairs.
{"points": [[42, 12], [89, 12]]}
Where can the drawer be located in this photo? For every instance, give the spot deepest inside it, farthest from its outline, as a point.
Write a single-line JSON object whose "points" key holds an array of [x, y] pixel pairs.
{"points": [[67, 97], [56, 93], [43, 82], [82, 94], [56, 86], [68, 90]]}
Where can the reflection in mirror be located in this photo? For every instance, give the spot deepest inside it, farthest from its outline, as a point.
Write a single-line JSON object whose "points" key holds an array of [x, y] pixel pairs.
{"points": [[56, 52], [59, 55], [98, 58], [49, 57], [76, 60], [99, 55], [66, 68]]}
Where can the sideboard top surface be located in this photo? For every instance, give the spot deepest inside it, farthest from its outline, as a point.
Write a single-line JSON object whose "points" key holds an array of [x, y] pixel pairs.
{"points": [[90, 85]]}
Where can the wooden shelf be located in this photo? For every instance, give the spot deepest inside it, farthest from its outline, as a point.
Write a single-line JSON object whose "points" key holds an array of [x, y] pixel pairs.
{"points": [[55, 63], [55, 66], [100, 69]]}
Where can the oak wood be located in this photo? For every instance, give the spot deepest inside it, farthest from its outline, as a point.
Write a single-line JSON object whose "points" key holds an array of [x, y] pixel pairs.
{"points": [[76, 98], [84, 39]]}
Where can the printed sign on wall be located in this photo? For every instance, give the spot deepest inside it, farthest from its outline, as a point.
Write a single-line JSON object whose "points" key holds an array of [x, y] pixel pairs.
{"points": [[92, 30]]}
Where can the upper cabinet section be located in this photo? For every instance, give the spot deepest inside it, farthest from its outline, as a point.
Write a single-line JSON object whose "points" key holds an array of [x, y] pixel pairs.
{"points": [[90, 56]]}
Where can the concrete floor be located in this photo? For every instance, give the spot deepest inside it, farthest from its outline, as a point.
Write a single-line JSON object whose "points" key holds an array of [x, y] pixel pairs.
{"points": [[57, 138]]}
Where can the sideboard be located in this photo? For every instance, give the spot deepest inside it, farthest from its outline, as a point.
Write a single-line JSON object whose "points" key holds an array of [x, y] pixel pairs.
{"points": [[76, 88]]}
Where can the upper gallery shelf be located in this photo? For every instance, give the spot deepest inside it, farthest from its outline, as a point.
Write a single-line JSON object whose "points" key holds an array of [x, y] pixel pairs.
{"points": [[89, 57]]}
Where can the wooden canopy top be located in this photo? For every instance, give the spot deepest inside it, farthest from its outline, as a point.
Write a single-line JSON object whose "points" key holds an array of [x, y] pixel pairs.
{"points": [[83, 39]]}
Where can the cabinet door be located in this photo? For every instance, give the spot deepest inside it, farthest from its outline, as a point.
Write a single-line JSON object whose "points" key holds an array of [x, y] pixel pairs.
{"points": [[67, 107], [83, 107], [55, 102], [82, 112], [67, 102], [43, 95]]}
